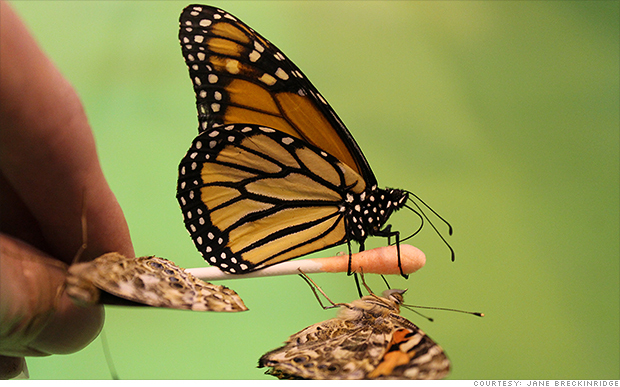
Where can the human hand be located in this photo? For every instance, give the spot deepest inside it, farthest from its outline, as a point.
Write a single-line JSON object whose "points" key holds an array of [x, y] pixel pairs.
{"points": [[49, 176]]}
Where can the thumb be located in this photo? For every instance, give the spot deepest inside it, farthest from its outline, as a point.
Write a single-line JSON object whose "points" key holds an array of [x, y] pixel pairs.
{"points": [[35, 319]]}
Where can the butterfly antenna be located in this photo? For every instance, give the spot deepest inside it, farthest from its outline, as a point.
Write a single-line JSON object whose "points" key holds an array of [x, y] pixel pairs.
{"points": [[433, 211], [418, 313], [419, 228], [432, 225], [108, 355], [445, 309]]}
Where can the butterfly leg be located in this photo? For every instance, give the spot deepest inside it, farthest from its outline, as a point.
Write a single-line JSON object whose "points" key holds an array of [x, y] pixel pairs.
{"points": [[349, 272], [400, 265], [316, 287], [388, 233], [364, 283], [357, 282]]}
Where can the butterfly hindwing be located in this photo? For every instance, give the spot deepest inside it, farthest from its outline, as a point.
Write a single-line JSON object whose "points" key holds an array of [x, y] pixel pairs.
{"points": [[240, 77], [149, 281], [368, 340], [250, 199]]}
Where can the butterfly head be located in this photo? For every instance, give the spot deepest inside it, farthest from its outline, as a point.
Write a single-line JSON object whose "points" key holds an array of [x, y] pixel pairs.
{"points": [[397, 199], [394, 295]]}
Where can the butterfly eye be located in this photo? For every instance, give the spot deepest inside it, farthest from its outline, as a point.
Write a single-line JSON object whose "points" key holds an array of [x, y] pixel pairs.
{"points": [[395, 295]]}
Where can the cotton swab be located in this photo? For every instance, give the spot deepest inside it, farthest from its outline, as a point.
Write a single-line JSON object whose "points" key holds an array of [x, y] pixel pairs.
{"points": [[382, 260]]}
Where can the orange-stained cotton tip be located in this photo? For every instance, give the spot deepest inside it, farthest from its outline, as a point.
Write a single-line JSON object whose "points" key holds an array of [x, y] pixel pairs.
{"points": [[382, 260]]}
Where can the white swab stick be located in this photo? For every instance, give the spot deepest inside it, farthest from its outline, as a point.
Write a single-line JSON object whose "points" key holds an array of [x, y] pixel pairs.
{"points": [[382, 260]]}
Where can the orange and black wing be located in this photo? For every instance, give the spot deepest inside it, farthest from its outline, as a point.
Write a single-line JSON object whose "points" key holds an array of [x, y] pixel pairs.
{"points": [[254, 196], [240, 77], [273, 174]]}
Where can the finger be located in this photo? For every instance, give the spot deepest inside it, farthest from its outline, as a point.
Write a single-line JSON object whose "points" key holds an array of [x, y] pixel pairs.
{"points": [[35, 320], [48, 150], [12, 367]]}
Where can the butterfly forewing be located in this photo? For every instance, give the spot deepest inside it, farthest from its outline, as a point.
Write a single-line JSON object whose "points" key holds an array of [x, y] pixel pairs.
{"points": [[250, 200], [240, 77]]}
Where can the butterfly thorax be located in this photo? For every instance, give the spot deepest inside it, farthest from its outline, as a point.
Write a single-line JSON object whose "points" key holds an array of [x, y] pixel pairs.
{"points": [[368, 211]]}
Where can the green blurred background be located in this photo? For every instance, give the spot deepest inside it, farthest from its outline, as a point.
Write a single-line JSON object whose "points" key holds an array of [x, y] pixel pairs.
{"points": [[504, 116]]}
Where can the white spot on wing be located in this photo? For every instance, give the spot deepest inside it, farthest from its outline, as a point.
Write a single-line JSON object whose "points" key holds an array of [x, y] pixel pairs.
{"points": [[254, 56], [281, 74], [232, 66], [267, 79]]}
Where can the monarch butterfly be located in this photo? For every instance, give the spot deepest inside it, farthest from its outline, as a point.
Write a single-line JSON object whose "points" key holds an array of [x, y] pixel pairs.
{"points": [[274, 174]]}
